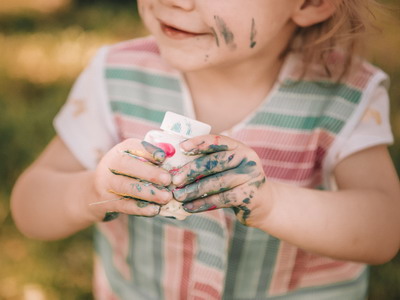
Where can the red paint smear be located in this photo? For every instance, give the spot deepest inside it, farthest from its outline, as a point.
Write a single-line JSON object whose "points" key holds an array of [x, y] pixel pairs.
{"points": [[199, 177], [216, 140], [188, 251], [174, 171], [167, 148], [212, 208]]}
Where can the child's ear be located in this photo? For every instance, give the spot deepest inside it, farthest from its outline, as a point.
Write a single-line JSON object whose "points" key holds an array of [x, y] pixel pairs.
{"points": [[312, 12]]}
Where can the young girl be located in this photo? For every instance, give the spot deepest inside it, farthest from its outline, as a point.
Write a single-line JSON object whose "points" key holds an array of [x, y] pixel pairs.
{"points": [[294, 192]]}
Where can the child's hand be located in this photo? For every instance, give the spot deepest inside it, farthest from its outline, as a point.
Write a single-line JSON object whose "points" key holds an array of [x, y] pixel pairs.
{"points": [[128, 180], [230, 174]]}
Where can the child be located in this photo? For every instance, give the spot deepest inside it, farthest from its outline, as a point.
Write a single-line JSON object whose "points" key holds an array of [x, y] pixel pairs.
{"points": [[295, 191]]}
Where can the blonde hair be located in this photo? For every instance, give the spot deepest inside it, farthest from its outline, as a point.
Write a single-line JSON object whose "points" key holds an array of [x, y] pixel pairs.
{"points": [[344, 30]]}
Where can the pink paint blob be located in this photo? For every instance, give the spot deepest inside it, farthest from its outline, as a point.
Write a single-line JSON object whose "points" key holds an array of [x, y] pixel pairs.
{"points": [[167, 148]]}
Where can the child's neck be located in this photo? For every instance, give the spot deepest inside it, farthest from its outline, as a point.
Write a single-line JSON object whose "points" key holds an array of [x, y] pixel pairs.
{"points": [[223, 97]]}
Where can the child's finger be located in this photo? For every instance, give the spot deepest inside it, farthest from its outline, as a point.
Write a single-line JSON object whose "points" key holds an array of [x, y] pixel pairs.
{"points": [[208, 144], [132, 207], [142, 150], [240, 197], [139, 189], [125, 165], [218, 183], [206, 165]]}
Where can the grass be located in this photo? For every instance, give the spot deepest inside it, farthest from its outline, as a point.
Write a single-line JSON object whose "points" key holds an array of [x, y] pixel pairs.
{"points": [[42, 50]]}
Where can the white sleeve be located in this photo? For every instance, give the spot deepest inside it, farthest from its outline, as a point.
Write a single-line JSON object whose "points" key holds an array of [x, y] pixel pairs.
{"points": [[85, 122], [374, 127]]}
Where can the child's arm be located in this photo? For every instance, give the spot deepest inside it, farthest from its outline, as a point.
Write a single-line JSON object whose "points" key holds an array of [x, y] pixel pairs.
{"points": [[359, 222], [52, 198]]}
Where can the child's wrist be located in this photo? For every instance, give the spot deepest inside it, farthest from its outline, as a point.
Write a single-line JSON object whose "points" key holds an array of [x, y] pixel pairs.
{"points": [[263, 207], [79, 209]]}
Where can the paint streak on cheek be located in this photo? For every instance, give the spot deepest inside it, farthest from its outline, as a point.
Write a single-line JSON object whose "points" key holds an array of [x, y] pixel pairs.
{"points": [[215, 36], [227, 34], [253, 34]]}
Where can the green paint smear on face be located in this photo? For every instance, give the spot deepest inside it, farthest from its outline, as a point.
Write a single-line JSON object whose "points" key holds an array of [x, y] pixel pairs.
{"points": [[226, 33], [253, 34], [215, 35]]}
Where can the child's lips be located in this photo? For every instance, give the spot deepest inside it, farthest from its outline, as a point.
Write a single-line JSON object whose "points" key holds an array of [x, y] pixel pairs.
{"points": [[176, 33]]}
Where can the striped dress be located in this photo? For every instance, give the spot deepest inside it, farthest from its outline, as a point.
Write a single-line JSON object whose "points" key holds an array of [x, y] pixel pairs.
{"points": [[297, 131]]}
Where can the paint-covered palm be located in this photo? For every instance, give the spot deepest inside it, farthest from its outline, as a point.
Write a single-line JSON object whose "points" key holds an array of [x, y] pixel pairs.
{"points": [[228, 174]]}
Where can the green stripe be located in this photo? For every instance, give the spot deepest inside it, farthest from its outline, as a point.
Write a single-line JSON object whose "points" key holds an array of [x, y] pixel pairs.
{"points": [[210, 259], [141, 260], [154, 80], [148, 97], [159, 257], [297, 122], [322, 88], [118, 284], [312, 106], [137, 111], [354, 289], [252, 264], [235, 255], [268, 267], [211, 241]]}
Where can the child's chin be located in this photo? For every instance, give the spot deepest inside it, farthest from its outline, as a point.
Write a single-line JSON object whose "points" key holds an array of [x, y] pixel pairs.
{"points": [[184, 64]]}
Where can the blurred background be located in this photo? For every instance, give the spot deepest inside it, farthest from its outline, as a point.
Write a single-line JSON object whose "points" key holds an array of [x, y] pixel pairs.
{"points": [[44, 44]]}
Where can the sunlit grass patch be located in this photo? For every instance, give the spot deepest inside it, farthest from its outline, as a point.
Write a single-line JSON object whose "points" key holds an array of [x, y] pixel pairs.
{"points": [[45, 57]]}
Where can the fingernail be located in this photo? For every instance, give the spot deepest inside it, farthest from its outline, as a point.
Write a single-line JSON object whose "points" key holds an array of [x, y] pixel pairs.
{"points": [[156, 208], [188, 147], [165, 178], [188, 207], [157, 153], [165, 197], [178, 179]]}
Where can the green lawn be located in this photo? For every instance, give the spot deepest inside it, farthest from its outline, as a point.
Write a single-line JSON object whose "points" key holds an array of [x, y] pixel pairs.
{"points": [[41, 52]]}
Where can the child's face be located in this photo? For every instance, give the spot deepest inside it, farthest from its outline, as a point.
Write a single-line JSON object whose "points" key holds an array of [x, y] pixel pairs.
{"points": [[197, 34]]}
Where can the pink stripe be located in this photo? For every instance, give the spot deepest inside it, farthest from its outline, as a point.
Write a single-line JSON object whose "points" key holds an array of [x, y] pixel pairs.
{"points": [[146, 44], [347, 272], [173, 262], [296, 269], [284, 139], [288, 174], [138, 53], [101, 285], [306, 274], [208, 276], [133, 128], [217, 216], [188, 251], [299, 269], [283, 269], [142, 59], [357, 79], [117, 234], [300, 157]]}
